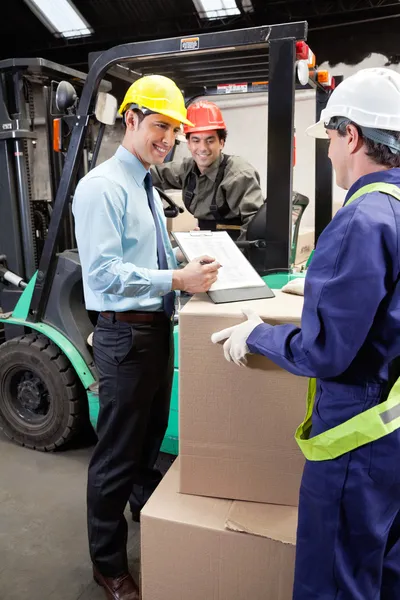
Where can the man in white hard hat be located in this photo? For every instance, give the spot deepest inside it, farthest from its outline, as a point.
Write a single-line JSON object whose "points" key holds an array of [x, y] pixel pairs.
{"points": [[348, 543]]}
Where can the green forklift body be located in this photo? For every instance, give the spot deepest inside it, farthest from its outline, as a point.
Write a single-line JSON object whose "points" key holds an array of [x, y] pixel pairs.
{"points": [[19, 317], [276, 281]]}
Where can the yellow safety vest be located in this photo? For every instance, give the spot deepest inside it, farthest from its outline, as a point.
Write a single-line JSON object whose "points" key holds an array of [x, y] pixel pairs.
{"points": [[365, 427]]}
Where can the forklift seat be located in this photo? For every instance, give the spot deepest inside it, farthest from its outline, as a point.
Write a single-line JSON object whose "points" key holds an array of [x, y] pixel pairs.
{"points": [[256, 230]]}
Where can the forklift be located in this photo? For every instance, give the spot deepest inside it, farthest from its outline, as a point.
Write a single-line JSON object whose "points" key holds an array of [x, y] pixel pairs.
{"points": [[48, 380]]}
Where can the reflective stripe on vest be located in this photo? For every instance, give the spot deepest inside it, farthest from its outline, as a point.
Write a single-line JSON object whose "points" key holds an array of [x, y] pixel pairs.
{"points": [[365, 427]]}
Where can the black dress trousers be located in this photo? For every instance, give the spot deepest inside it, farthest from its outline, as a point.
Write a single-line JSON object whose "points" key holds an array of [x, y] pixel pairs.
{"points": [[135, 366]]}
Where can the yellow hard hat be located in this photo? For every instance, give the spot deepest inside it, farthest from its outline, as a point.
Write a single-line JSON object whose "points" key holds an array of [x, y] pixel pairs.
{"points": [[158, 94]]}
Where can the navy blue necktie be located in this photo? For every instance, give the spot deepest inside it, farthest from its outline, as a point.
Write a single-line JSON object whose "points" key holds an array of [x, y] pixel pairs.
{"points": [[169, 298]]}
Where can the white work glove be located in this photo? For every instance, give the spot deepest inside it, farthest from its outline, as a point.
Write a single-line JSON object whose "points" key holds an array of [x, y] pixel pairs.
{"points": [[235, 347], [296, 286]]}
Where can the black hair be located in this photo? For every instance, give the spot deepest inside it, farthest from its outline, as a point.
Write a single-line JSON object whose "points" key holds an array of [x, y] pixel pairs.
{"points": [[137, 111]]}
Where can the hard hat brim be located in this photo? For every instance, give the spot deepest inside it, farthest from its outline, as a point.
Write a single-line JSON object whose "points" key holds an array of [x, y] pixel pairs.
{"points": [[177, 117], [194, 129], [167, 113], [318, 130]]}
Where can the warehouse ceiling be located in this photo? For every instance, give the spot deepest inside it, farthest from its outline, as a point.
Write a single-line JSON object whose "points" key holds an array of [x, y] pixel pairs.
{"points": [[339, 31]]}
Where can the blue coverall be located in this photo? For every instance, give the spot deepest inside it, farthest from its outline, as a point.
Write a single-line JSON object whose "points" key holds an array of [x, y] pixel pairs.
{"points": [[348, 543]]}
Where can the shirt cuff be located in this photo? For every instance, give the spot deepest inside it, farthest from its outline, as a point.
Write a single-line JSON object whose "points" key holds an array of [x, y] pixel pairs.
{"points": [[178, 262], [161, 282], [257, 333]]}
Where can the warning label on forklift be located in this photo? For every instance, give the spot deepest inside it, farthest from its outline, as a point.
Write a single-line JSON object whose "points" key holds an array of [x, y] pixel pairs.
{"points": [[259, 86], [192, 43], [232, 88]]}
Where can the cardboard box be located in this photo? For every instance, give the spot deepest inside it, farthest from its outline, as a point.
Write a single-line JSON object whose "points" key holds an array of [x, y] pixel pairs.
{"points": [[305, 245], [184, 221], [237, 425], [195, 548]]}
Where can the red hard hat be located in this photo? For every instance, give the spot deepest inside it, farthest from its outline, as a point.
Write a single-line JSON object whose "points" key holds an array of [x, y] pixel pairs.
{"points": [[206, 116]]}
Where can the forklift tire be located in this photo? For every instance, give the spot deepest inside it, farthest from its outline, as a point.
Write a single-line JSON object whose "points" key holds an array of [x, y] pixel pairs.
{"points": [[43, 404]]}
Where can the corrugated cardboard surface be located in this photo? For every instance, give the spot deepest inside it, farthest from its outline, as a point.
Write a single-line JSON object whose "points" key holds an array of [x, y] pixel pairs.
{"points": [[237, 424], [189, 554], [305, 245], [284, 308], [272, 521]]}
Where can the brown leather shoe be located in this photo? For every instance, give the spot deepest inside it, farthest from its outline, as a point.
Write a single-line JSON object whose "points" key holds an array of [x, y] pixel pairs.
{"points": [[120, 588]]}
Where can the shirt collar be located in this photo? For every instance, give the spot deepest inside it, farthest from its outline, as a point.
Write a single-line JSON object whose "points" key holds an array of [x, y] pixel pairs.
{"points": [[212, 170], [138, 170], [387, 176]]}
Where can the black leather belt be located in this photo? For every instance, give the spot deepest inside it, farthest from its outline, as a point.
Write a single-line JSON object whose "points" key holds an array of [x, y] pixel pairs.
{"points": [[133, 316]]}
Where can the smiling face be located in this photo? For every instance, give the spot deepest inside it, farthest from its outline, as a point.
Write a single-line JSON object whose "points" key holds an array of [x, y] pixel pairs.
{"points": [[205, 148], [150, 139]]}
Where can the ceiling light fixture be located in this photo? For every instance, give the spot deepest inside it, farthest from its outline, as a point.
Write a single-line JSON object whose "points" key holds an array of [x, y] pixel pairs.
{"points": [[218, 9], [60, 17]]}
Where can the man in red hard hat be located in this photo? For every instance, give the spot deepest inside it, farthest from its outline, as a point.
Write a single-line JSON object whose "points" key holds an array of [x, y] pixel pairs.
{"points": [[222, 191]]}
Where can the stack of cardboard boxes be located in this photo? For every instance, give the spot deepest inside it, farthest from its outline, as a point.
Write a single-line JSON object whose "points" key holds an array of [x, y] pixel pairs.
{"points": [[222, 524]]}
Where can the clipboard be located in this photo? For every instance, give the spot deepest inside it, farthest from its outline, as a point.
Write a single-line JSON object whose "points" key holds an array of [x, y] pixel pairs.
{"points": [[237, 279]]}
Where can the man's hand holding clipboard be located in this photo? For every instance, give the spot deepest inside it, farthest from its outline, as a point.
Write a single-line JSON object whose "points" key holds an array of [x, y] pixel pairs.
{"points": [[234, 279]]}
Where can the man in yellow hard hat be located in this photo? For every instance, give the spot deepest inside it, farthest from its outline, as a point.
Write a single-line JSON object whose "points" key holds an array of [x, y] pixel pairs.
{"points": [[130, 274], [222, 191]]}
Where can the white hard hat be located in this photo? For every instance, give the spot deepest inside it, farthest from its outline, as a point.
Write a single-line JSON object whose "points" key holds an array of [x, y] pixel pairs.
{"points": [[369, 98]]}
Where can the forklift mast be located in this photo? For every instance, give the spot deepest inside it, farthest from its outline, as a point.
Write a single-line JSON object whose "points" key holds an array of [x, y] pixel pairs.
{"points": [[30, 168], [16, 224]]}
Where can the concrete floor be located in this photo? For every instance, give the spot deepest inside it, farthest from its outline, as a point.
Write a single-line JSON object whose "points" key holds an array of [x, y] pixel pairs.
{"points": [[43, 543]]}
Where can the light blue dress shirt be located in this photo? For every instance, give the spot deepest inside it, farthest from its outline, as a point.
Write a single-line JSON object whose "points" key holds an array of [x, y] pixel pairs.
{"points": [[116, 238]]}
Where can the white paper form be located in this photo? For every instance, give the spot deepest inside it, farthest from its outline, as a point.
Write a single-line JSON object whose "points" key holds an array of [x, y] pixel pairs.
{"points": [[236, 271]]}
